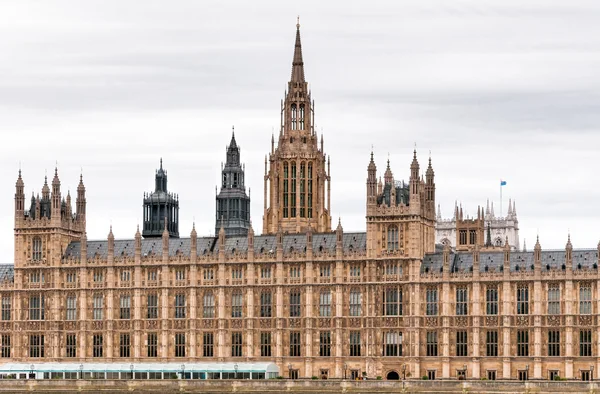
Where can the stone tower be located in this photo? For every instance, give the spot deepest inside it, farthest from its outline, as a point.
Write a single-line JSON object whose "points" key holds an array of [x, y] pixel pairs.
{"points": [[160, 205], [43, 232], [296, 170], [400, 216], [233, 204]]}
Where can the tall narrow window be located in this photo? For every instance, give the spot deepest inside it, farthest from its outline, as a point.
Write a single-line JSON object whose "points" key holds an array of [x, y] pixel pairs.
{"points": [[491, 343], [36, 254], [461, 300], [293, 191], [523, 300], [208, 344], [180, 306], [286, 177], [432, 302], [125, 307], [585, 299], [237, 304], [71, 308], [554, 343], [462, 235], [392, 344], [522, 343], [36, 307], [295, 344], [209, 305], [554, 299], [302, 189], [392, 238], [301, 117], [309, 191], [265, 344], [236, 344], [5, 346], [6, 307], [265, 304], [325, 304], [294, 117], [180, 344], [152, 344], [354, 343], [461, 343], [325, 343], [98, 307], [124, 345], [472, 237], [71, 345], [97, 345], [392, 302], [152, 301], [355, 303], [585, 343], [432, 343], [36, 345], [491, 300], [295, 304]]}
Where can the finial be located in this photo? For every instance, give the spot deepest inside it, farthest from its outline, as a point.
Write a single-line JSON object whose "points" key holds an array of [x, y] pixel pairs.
{"points": [[161, 163], [233, 130], [298, 22]]}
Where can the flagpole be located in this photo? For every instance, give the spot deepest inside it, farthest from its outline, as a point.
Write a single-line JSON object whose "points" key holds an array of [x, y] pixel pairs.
{"points": [[500, 197]]}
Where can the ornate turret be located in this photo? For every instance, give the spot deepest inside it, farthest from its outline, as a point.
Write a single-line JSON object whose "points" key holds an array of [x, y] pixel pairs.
{"points": [[371, 182], [233, 204], [159, 205], [19, 198]]}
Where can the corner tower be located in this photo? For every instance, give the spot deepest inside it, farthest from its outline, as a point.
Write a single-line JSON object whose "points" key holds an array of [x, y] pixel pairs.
{"points": [[297, 171], [160, 205], [233, 204]]}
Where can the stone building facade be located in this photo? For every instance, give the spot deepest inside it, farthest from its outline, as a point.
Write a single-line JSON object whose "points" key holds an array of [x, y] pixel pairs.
{"points": [[317, 302]]}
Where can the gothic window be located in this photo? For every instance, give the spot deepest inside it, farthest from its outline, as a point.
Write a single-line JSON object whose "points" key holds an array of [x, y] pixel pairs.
{"points": [[97, 345], [36, 345], [180, 306], [207, 344], [355, 270], [325, 271], [354, 343], [36, 254], [301, 117], [125, 276], [5, 346], [124, 345], [295, 272], [392, 344], [432, 343], [522, 343], [209, 274], [294, 117], [462, 237], [491, 300], [152, 301], [265, 304], [295, 304], [523, 300], [309, 192], [461, 343], [295, 344], [293, 191], [355, 303], [36, 307], [325, 304], [6, 307], [180, 344], [461, 301], [325, 344], [554, 343], [585, 343], [71, 345], [125, 307], [491, 343], [152, 344], [392, 302], [71, 308], [286, 196], [585, 299], [265, 273], [392, 238], [180, 274], [302, 190], [208, 305], [237, 302], [554, 299], [432, 302], [98, 307], [498, 241], [472, 237], [236, 344], [265, 344]]}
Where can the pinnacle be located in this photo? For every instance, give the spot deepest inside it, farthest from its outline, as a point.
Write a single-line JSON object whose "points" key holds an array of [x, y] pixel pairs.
{"points": [[297, 63]]}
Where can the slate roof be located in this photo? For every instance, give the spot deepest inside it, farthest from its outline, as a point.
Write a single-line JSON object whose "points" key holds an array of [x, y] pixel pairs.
{"points": [[7, 272], [262, 244]]}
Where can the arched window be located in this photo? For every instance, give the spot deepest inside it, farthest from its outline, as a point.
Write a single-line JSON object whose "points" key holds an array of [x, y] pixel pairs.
{"points": [[36, 254], [301, 117], [293, 191], [309, 191], [294, 117], [302, 189], [209, 305], [392, 238], [498, 241], [355, 303], [286, 196]]}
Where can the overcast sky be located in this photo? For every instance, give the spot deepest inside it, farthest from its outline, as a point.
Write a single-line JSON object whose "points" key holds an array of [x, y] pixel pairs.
{"points": [[494, 89]]}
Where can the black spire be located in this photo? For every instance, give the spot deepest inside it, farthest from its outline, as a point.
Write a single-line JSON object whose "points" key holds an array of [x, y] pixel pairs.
{"points": [[488, 241], [159, 206], [233, 204]]}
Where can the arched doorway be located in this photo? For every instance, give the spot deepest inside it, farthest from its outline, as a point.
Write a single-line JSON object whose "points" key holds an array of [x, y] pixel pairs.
{"points": [[392, 375]]}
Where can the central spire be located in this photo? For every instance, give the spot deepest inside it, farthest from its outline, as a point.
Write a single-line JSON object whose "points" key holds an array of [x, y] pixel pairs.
{"points": [[297, 63]]}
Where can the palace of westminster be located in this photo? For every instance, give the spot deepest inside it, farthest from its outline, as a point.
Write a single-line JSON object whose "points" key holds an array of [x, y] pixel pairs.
{"points": [[392, 301]]}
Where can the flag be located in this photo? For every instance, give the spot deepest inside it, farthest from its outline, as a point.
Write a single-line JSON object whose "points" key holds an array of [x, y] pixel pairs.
{"points": [[502, 183]]}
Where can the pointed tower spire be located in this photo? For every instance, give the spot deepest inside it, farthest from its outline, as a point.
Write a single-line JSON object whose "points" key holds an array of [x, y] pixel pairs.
{"points": [[388, 177], [524, 245], [488, 238], [297, 63]]}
